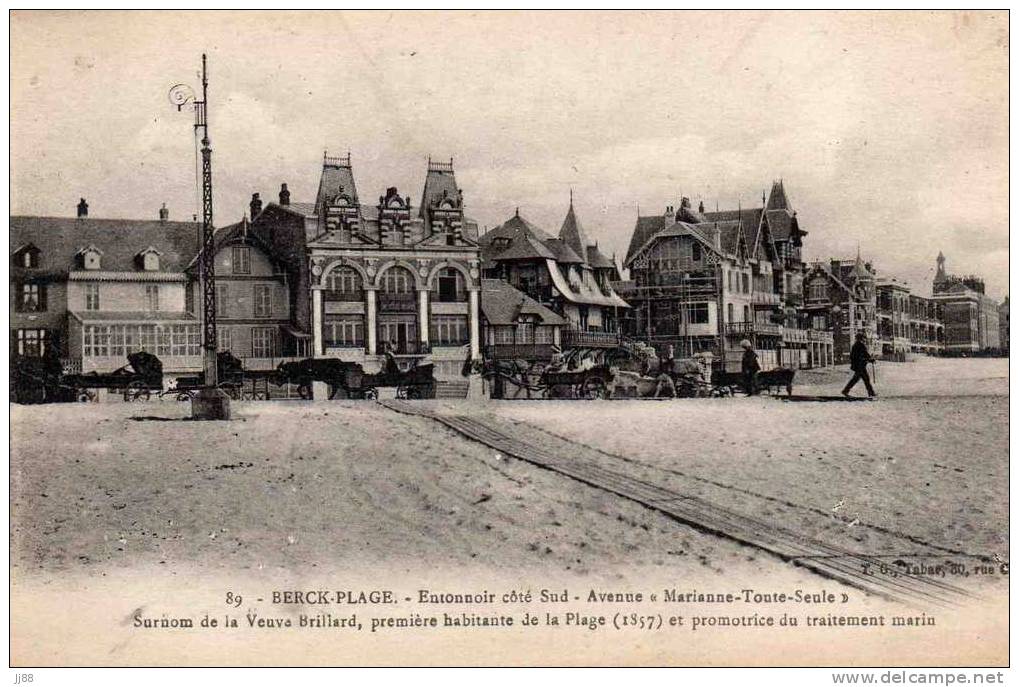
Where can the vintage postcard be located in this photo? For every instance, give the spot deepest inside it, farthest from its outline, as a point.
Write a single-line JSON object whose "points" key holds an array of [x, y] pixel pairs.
{"points": [[509, 339]]}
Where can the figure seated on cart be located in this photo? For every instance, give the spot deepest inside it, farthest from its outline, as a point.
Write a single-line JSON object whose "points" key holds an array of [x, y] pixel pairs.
{"points": [[390, 367]]}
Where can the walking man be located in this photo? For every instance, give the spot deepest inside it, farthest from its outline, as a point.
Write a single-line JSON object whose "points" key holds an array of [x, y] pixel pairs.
{"points": [[859, 356], [750, 367]]}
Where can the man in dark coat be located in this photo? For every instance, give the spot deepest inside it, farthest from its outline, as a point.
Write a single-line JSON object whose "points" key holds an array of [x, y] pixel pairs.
{"points": [[859, 356], [750, 367]]}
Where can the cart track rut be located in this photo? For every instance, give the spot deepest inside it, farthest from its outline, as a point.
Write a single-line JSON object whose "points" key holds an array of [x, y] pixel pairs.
{"points": [[857, 570]]}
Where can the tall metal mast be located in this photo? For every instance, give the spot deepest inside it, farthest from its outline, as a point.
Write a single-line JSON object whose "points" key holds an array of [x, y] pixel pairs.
{"points": [[208, 260], [180, 95]]}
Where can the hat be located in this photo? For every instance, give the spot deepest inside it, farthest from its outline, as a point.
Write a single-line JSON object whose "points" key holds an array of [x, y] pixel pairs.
{"points": [[745, 343], [861, 335]]}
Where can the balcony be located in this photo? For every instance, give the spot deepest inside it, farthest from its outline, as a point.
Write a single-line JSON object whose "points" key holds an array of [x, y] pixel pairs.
{"points": [[575, 337], [749, 328], [519, 352], [794, 335], [397, 302], [765, 298], [343, 296]]}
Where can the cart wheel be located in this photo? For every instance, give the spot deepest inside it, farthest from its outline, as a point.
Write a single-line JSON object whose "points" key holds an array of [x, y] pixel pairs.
{"points": [[136, 391], [594, 387], [371, 393], [261, 396], [86, 396], [183, 396], [401, 392], [304, 391]]}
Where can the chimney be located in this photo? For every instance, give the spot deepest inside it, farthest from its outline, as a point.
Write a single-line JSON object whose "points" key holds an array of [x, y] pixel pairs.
{"points": [[164, 214], [700, 208], [670, 213], [284, 195], [684, 202], [82, 209], [255, 205]]}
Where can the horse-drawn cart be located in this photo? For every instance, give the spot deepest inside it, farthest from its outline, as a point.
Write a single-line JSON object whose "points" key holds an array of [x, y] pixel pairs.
{"points": [[349, 380], [135, 381]]}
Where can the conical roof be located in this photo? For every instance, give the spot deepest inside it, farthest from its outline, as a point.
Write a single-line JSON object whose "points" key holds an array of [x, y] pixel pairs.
{"points": [[572, 233]]}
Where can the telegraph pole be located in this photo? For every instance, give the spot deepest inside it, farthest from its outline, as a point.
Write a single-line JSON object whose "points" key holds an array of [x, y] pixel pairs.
{"points": [[212, 403]]}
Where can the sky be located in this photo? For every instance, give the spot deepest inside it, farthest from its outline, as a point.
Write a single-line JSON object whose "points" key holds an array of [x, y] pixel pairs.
{"points": [[889, 130]]}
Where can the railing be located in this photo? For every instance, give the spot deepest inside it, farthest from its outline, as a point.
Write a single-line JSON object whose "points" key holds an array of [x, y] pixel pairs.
{"points": [[765, 298], [576, 337], [795, 335], [397, 302], [519, 351], [336, 161], [70, 366], [440, 166], [458, 297], [745, 328], [343, 296], [735, 328], [768, 329]]}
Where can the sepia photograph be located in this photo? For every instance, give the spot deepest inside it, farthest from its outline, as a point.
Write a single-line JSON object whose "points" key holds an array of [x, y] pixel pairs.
{"points": [[510, 338]]}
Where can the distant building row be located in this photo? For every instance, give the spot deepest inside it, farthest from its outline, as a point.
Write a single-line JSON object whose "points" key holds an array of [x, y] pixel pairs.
{"points": [[336, 277]]}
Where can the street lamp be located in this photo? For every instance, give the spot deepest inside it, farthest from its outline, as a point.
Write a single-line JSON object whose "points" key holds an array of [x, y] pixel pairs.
{"points": [[211, 403]]}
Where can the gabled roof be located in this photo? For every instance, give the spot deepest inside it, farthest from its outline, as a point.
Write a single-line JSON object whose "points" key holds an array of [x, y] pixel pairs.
{"points": [[59, 239], [827, 272], [644, 229], [502, 304], [526, 241], [240, 231], [512, 227], [573, 235]]}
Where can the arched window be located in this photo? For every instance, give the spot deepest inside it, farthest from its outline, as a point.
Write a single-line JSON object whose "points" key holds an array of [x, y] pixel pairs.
{"points": [[344, 284], [396, 280]]}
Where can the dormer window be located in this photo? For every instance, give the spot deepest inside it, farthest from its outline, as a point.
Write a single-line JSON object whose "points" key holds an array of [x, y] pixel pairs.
{"points": [[148, 259], [501, 242], [90, 258], [26, 256]]}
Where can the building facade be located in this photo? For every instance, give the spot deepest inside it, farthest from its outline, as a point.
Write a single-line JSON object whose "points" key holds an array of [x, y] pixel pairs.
{"points": [[256, 290], [515, 326], [567, 274], [386, 276], [907, 323], [704, 281], [91, 291], [1003, 320], [970, 317], [840, 296]]}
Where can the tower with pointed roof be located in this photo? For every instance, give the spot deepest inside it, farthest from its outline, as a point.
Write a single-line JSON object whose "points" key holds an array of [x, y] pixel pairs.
{"points": [[567, 273], [388, 275]]}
